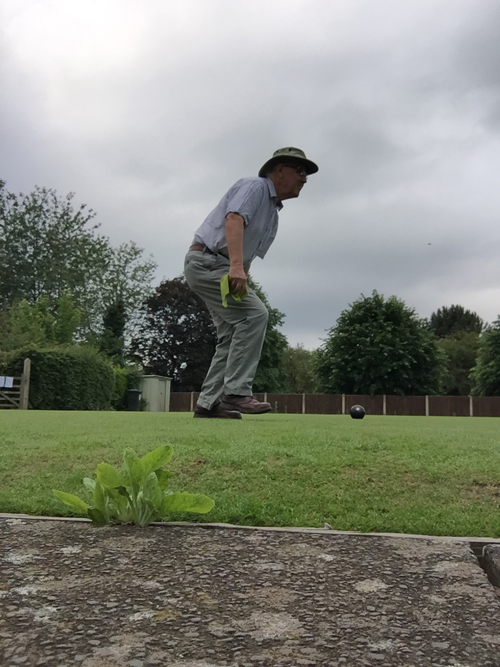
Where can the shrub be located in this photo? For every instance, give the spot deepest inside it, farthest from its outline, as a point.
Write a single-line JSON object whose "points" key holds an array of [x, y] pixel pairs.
{"points": [[69, 378]]}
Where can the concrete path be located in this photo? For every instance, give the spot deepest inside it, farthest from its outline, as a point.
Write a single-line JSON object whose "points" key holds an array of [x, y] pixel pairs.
{"points": [[181, 596]]}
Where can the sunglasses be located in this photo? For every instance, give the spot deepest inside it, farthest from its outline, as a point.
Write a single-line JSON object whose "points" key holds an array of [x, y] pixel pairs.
{"points": [[300, 170]]}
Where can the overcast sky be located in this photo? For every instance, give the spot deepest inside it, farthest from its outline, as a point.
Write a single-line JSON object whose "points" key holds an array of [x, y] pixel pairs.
{"points": [[149, 110]]}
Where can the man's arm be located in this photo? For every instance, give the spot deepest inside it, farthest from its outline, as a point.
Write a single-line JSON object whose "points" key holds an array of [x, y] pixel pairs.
{"points": [[234, 241]]}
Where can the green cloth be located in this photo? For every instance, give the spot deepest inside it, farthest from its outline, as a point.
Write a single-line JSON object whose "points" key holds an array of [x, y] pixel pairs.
{"points": [[224, 291]]}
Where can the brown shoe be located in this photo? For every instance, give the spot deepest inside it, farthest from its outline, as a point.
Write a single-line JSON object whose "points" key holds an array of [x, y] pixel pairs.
{"points": [[249, 405], [217, 412]]}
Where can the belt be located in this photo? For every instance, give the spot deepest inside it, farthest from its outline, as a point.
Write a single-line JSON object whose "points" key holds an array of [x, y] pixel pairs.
{"points": [[201, 247]]}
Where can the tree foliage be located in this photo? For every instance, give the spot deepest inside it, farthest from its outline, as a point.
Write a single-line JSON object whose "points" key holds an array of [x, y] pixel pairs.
{"points": [[299, 366], [111, 340], [39, 324], [48, 248], [379, 346], [270, 374], [176, 337], [460, 349], [486, 373], [447, 321]]}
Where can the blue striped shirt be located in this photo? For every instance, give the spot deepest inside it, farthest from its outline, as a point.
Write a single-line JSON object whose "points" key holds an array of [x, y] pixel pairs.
{"points": [[256, 201]]}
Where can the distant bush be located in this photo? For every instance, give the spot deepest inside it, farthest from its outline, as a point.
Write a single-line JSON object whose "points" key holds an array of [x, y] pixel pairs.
{"points": [[69, 378]]}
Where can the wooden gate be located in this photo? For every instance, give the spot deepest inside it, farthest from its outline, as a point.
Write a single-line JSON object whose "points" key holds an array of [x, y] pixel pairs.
{"points": [[15, 391]]}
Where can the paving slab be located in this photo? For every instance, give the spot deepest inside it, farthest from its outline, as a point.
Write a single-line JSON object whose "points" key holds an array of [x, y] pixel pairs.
{"points": [[184, 596]]}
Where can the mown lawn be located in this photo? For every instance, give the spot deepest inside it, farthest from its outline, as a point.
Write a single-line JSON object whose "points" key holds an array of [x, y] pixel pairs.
{"points": [[434, 475]]}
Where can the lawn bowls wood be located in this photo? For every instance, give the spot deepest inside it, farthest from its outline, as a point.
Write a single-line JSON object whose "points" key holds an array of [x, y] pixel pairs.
{"points": [[357, 412]]}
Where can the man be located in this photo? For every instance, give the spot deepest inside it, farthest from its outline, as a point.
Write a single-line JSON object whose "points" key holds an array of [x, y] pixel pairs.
{"points": [[241, 227]]}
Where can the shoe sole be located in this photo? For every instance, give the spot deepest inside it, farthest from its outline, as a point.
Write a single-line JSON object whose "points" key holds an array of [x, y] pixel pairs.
{"points": [[248, 412], [237, 416]]}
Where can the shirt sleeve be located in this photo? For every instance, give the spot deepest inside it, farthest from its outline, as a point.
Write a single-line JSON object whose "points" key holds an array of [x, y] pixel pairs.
{"points": [[245, 199]]}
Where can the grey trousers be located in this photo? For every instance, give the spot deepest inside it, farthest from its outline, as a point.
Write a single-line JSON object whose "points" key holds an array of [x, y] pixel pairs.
{"points": [[241, 328]]}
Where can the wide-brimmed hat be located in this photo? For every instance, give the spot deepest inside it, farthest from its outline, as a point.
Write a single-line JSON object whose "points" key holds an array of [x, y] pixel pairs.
{"points": [[290, 154]]}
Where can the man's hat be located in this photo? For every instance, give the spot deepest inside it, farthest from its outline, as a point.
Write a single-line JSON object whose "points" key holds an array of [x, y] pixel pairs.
{"points": [[294, 155]]}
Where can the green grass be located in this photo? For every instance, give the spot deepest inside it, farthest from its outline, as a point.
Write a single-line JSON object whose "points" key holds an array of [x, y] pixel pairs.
{"points": [[434, 475]]}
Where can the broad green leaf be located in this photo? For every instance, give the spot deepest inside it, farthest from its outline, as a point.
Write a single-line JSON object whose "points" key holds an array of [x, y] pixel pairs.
{"points": [[72, 501], [97, 516], [187, 502], [157, 458], [109, 477], [151, 491], [134, 468], [99, 499], [163, 477], [89, 483]]}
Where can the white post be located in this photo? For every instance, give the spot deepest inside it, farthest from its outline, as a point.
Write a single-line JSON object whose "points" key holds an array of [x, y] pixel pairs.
{"points": [[426, 406], [343, 404], [303, 404], [384, 405], [471, 406], [265, 397], [191, 404]]}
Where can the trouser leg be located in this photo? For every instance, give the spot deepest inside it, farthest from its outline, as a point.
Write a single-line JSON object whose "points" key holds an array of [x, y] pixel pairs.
{"points": [[241, 329]]}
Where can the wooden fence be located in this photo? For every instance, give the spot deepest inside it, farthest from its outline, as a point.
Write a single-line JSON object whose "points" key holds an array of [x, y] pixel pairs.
{"points": [[16, 397], [339, 404]]}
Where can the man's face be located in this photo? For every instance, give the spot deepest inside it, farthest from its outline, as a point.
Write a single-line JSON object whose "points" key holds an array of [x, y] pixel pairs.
{"points": [[290, 180]]}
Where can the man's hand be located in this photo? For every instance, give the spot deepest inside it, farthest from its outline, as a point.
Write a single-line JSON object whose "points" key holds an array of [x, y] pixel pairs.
{"points": [[234, 240], [237, 280]]}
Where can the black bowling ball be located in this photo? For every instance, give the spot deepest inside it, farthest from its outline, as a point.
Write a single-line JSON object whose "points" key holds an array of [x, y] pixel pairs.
{"points": [[357, 412]]}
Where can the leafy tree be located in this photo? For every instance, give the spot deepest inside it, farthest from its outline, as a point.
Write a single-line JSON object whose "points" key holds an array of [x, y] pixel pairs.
{"points": [[111, 340], [486, 373], [461, 349], [39, 324], [379, 346], [177, 337], [270, 374], [300, 370], [47, 248], [448, 321]]}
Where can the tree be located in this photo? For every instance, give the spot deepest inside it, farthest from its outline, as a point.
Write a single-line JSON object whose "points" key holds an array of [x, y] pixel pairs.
{"points": [[486, 373], [379, 346], [460, 349], [300, 370], [177, 337], [270, 376], [448, 321], [47, 248], [39, 324], [111, 340]]}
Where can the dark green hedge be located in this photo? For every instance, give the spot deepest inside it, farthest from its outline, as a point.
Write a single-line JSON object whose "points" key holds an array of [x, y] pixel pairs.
{"points": [[71, 378]]}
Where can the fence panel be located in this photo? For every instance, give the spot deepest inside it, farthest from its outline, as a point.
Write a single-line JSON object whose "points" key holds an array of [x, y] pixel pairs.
{"points": [[372, 404], [10, 399], [449, 406], [323, 404], [413, 406], [486, 406], [286, 403], [331, 404]]}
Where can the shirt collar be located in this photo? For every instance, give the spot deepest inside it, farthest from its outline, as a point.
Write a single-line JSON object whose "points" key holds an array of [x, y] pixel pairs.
{"points": [[273, 195]]}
